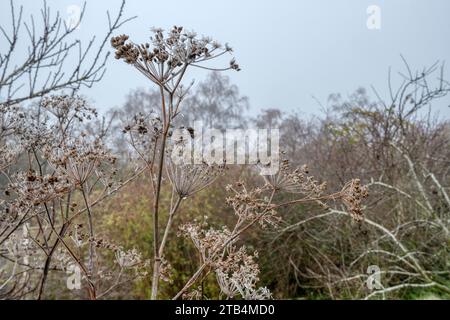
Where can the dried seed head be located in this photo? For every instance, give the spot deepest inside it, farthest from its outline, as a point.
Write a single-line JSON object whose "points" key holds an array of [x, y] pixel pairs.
{"points": [[163, 59], [297, 181], [352, 195]]}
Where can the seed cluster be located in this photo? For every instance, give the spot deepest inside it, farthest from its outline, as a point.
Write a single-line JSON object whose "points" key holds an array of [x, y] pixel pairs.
{"points": [[352, 196], [166, 56], [237, 274], [297, 181], [251, 205], [208, 241]]}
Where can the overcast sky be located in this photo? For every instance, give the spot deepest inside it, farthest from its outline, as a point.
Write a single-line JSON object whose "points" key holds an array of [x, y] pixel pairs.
{"points": [[289, 50]]}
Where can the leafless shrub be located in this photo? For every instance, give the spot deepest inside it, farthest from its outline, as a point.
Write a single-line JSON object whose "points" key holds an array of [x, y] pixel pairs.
{"points": [[42, 69], [396, 147]]}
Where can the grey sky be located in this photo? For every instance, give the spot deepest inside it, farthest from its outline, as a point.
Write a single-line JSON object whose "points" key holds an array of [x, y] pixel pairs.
{"points": [[289, 50]]}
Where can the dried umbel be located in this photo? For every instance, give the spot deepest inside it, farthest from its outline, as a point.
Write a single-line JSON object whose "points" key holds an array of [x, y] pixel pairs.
{"points": [[208, 241], [252, 205], [297, 181], [143, 133], [68, 108], [237, 274], [8, 155], [12, 123], [126, 259], [32, 188], [236, 270], [166, 270], [79, 159], [129, 258], [165, 58], [195, 294], [35, 131], [188, 179], [352, 195], [12, 119]]}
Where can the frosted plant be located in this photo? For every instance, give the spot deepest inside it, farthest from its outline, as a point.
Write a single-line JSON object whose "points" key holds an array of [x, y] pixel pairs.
{"points": [[208, 241], [237, 274], [186, 177], [142, 133], [128, 259], [252, 205], [79, 159], [67, 109], [194, 294], [190, 179], [12, 121], [164, 60], [8, 155], [236, 271], [35, 189], [353, 193], [52, 191], [297, 181], [36, 193]]}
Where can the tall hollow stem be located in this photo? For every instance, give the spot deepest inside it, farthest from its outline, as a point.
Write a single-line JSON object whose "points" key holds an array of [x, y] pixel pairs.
{"points": [[157, 259]]}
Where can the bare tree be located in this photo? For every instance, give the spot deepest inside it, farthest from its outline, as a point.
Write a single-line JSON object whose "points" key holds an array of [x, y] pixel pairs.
{"points": [[47, 65], [217, 103]]}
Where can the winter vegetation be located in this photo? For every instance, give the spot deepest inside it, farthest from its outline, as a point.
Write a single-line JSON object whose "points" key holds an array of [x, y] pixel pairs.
{"points": [[94, 206]]}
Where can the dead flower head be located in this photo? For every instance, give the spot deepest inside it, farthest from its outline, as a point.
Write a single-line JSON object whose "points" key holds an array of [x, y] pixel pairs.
{"points": [[251, 204], [79, 159], [166, 56], [297, 181], [237, 274], [352, 195]]}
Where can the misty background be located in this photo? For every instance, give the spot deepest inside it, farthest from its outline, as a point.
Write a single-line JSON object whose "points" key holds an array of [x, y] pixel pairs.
{"points": [[293, 54]]}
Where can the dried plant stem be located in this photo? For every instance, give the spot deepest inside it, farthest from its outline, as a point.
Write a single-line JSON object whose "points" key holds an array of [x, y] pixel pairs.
{"points": [[191, 281], [420, 187], [333, 196], [91, 234], [440, 187], [412, 169], [408, 254], [169, 225], [47, 263], [91, 287], [157, 258], [52, 251], [236, 232], [106, 195]]}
